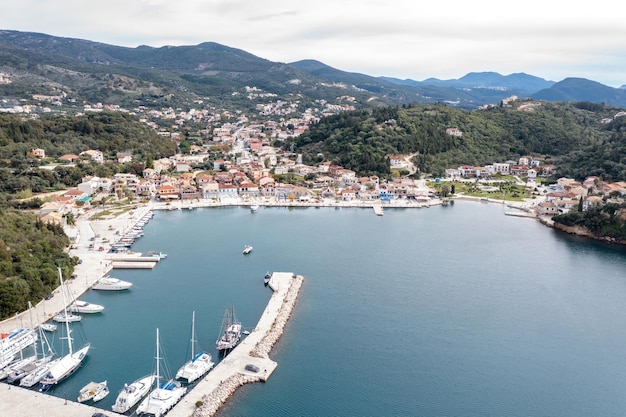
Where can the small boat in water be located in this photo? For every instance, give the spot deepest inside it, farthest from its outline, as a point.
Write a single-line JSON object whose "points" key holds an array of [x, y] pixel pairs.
{"points": [[247, 249], [266, 278], [66, 317], [159, 255], [254, 208], [111, 284], [49, 327], [93, 390]]}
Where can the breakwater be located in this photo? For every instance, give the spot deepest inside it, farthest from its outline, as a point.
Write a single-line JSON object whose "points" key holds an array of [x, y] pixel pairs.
{"points": [[205, 399]]}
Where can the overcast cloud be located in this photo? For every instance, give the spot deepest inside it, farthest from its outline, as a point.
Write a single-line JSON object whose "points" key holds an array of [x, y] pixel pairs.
{"points": [[398, 38]]}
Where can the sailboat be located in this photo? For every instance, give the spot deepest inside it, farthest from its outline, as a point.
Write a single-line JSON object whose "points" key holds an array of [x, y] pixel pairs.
{"points": [[199, 363], [69, 363], [230, 332], [164, 395], [16, 373]]}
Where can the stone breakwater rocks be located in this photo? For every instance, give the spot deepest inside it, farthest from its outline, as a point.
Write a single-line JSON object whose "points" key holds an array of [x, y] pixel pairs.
{"points": [[263, 348], [213, 401]]}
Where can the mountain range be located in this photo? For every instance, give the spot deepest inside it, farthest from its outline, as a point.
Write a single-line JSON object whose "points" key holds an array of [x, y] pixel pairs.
{"points": [[40, 64]]}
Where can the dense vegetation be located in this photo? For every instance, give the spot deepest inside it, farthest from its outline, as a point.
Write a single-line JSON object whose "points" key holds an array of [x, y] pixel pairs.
{"points": [[569, 135], [107, 132], [30, 253], [603, 221]]}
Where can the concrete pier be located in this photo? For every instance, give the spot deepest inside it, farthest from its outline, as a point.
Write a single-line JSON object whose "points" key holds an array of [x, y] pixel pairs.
{"points": [[20, 402], [221, 382], [133, 265]]}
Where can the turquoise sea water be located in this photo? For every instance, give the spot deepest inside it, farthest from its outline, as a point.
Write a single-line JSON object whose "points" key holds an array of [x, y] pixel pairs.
{"points": [[447, 311]]}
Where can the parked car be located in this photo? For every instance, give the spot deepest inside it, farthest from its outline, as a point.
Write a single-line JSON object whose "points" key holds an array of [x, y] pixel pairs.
{"points": [[252, 368], [49, 296]]}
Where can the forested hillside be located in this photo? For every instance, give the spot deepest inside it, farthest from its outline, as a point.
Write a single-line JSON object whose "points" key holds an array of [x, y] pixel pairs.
{"points": [[59, 135], [30, 253], [572, 136]]}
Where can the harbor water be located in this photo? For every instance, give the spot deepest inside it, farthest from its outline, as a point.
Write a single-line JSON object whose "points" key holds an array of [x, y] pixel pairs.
{"points": [[445, 311]]}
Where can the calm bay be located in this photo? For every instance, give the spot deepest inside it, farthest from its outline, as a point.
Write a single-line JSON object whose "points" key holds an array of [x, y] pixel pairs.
{"points": [[446, 311]]}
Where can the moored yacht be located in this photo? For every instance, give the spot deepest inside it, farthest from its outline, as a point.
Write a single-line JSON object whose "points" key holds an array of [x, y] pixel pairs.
{"points": [[84, 307], [199, 363], [231, 331], [69, 363], [14, 342], [164, 396], [111, 284], [131, 394], [66, 317]]}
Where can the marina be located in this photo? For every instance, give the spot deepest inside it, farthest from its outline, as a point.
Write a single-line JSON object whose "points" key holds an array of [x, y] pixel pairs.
{"points": [[472, 325]]}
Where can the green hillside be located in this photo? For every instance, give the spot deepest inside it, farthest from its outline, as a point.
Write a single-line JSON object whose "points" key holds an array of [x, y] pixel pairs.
{"points": [[569, 135]]}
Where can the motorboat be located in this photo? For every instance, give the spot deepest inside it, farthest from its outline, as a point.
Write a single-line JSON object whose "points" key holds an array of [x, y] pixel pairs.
{"points": [[230, 332], [49, 327], [267, 278], [254, 208], [247, 249], [164, 396], [84, 307], [91, 390], [199, 363], [111, 284], [131, 394], [66, 317]]}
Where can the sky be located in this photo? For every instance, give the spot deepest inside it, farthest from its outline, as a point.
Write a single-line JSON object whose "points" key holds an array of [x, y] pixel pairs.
{"points": [[407, 39]]}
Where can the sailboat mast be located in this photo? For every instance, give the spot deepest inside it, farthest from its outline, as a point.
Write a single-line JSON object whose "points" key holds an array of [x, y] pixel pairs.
{"points": [[67, 322], [158, 360], [193, 333]]}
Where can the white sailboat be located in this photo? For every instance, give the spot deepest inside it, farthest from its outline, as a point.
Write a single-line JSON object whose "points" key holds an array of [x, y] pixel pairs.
{"points": [[164, 396], [69, 363], [17, 372], [199, 363], [132, 394], [42, 365]]}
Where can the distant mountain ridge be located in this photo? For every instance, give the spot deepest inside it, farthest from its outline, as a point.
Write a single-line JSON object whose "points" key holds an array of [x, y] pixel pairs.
{"points": [[93, 71]]}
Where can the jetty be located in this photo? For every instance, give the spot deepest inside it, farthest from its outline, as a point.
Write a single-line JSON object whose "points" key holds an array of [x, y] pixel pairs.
{"points": [[218, 385], [378, 210]]}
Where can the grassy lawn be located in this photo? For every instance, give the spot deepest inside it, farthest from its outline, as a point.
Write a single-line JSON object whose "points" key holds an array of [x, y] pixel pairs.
{"points": [[500, 191]]}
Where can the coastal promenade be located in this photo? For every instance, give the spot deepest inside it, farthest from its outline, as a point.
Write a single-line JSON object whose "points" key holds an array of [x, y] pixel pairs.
{"points": [[220, 383]]}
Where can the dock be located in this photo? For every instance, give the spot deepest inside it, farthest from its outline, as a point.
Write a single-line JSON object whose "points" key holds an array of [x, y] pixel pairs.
{"points": [[133, 265], [21, 402], [221, 382], [378, 210], [213, 390]]}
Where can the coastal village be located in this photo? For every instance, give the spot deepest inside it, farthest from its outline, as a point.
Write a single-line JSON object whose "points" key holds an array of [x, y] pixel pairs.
{"points": [[249, 173]]}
